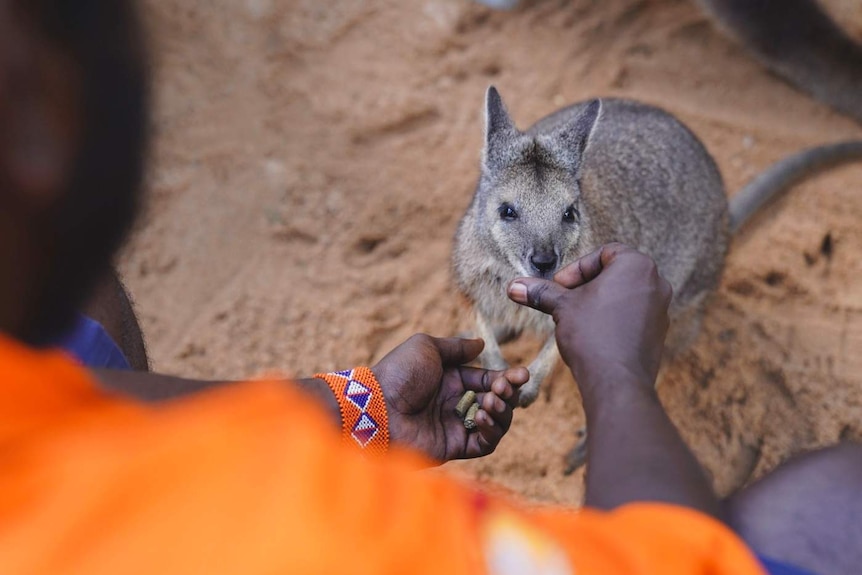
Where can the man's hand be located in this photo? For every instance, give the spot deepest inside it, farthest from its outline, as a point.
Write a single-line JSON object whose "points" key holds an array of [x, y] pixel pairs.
{"points": [[611, 313], [423, 379], [610, 308]]}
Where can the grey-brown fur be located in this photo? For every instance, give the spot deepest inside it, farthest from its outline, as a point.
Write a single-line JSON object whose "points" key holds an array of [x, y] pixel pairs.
{"points": [[634, 174]]}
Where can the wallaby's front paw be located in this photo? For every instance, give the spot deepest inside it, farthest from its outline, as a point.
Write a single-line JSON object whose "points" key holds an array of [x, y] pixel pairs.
{"points": [[529, 392], [539, 370], [496, 365], [493, 362]]}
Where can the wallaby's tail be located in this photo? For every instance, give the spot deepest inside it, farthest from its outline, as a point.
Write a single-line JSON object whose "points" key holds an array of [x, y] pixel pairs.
{"points": [[787, 172]]}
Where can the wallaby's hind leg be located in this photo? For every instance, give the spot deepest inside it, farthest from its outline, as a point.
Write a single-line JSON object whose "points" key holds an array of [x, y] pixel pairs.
{"points": [[684, 327], [577, 455], [540, 369], [492, 356]]}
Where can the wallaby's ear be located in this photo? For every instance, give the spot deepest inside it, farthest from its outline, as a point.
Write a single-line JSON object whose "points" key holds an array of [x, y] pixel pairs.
{"points": [[568, 143], [496, 117], [499, 130], [578, 136]]}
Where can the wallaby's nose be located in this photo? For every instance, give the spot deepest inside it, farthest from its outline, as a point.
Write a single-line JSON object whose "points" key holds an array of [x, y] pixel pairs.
{"points": [[544, 262]]}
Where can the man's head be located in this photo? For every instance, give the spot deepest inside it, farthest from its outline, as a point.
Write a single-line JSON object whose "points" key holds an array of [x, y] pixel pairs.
{"points": [[73, 100]]}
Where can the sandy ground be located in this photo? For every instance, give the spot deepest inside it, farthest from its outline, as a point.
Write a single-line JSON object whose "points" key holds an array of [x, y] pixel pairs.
{"points": [[312, 158]]}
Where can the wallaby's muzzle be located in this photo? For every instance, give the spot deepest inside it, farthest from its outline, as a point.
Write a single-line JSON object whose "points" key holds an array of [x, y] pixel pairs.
{"points": [[543, 262]]}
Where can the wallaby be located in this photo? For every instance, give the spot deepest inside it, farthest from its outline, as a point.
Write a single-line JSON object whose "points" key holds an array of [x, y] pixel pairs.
{"points": [[595, 172]]}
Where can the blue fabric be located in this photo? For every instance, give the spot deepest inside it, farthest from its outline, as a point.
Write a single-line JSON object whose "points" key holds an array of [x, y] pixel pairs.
{"points": [[774, 567], [91, 345]]}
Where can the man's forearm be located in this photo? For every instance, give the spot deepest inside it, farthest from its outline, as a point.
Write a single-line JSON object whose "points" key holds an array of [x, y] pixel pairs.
{"points": [[636, 453], [153, 387]]}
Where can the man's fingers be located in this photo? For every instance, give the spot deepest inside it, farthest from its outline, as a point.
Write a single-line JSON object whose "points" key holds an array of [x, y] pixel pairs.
{"points": [[505, 386], [589, 266], [475, 378], [502, 383], [543, 295], [456, 350], [488, 436], [581, 271], [497, 409], [495, 414]]}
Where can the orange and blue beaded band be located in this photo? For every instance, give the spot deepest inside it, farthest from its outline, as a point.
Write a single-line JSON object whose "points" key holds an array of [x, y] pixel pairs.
{"points": [[363, 409]]}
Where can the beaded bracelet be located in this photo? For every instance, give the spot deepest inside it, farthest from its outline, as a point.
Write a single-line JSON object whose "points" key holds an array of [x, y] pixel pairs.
{"points": [[363, 409]]}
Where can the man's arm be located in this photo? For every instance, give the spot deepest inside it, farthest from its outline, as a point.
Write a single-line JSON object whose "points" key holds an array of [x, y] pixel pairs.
{"points": [[422, 380], [111, 306], [154, 387], [610, 308], [635, 452]]}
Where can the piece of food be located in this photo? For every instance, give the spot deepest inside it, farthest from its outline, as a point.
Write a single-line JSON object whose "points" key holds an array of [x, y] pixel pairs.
{"points": [[470, 418], [468, 399]]}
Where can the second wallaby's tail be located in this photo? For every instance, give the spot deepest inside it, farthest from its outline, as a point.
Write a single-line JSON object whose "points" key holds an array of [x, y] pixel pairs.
{"points": [[784, 173], [798, 40]]}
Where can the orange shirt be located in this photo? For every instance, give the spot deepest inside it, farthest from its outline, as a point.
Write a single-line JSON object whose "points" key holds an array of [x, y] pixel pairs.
{"points": [[253, 478]]}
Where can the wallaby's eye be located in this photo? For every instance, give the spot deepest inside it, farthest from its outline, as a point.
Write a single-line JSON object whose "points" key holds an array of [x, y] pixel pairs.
{"points": [[571, 214], [507, 212]]}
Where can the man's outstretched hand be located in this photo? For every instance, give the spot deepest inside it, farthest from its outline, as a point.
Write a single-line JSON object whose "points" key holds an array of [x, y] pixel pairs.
{"points": [[610, 308], [422, 381], [424, 378], [611, 311]]}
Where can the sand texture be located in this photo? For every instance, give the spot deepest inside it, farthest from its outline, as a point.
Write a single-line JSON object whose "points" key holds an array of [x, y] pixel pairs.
{"points": [[311, 159]]}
